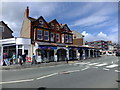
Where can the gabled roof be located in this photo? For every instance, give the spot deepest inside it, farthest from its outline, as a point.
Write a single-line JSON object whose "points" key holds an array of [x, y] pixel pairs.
{"points": [[2, 22], [55, 21], [62, 25]]}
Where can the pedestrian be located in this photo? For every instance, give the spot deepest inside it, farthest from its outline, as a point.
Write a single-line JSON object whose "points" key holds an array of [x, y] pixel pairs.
{"points": [[24, 58], [67, 59], [13, 58], [20, 59], [33, 59]]}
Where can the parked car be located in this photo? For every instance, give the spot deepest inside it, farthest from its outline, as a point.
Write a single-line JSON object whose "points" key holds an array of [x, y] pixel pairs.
{"points": [[118, 53]]}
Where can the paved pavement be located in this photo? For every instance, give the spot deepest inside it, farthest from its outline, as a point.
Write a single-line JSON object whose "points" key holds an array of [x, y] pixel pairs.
{"points": [[93, 73]]}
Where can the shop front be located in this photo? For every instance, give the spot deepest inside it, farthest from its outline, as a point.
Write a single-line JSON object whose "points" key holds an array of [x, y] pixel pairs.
{"points": [[14, 46]]}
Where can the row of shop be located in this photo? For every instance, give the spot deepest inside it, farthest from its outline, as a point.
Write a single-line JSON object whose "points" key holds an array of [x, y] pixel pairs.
{"points": [[60, 52], [45, 52]]}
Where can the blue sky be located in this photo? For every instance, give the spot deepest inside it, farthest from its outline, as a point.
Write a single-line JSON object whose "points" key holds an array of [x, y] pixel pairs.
{"points": [[95, 20]]}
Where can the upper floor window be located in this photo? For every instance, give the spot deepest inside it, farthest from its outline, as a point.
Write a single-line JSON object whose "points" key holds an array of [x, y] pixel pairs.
{"points": [[1, 29], [41, 23], [57, 27], [66, 38], [70, 38], [52, 37], [46, 35], [65, 28], [57, 37], [52, 26], [39, 34]]}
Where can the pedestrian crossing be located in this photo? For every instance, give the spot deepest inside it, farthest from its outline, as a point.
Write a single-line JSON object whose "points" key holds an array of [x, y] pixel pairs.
{"points": [[98, 64]]}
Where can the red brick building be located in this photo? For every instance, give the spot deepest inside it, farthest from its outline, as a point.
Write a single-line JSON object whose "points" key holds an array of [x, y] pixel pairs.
{"points": [[51, 41]]}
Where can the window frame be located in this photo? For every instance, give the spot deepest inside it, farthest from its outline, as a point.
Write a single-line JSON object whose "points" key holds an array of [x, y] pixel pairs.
{"points": [[38, 34], [66, 38], [41, 23], [2, 29], [46, 35], [70, 38], [51, 37], [58, 37]]}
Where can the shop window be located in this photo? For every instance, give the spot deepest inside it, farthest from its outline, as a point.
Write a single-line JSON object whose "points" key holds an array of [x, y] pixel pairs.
{"points": [[46, 35], [66, 38], [39, 34], [52, 37], [57, 37], [41, 23]]}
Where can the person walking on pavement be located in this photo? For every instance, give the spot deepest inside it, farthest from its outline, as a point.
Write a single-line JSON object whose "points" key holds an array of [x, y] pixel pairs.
{"points": [[33, 59], [13, 58], [24, 58], [20, 59]]}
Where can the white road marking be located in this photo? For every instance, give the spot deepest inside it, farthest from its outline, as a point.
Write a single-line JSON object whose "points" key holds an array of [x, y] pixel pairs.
{"points": [[83, 63], [112, 66], [73, 71], [47, 76], [106, 69], [85, 68], [99, 65], [117, 71], [93, 64], [16, 81]]}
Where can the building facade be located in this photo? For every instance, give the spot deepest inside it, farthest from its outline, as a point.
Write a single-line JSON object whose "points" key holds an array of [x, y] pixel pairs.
{"points": [[51, 41], [5, 31], [99, 44], [78, 38]]}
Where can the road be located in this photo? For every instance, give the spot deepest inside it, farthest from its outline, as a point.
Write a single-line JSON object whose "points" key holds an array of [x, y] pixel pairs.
{"points": [[92, 73]]}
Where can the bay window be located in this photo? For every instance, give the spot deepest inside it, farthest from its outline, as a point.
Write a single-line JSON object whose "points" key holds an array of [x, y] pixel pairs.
{"points": [[70, 38], [52, 37], [57, 37], [66, 38]]}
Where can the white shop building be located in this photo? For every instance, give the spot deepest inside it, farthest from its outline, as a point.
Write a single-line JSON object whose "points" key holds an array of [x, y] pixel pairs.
{"points": [[19, 46]]}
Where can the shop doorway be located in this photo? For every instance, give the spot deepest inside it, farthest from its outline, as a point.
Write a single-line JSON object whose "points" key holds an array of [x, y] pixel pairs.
{"points": [[72, 54], [61, 54]]}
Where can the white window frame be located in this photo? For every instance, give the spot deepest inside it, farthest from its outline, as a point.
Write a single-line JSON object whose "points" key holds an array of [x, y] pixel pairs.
{"points": [[65, 28], [52, 26], [52, 40], [70, 38], [46, 35], [66, 38], [41, 23], [39, 34], [58, 37]]}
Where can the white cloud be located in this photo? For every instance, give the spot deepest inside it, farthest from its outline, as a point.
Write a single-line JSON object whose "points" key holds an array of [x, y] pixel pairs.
{"points": [[91, 20], [100, 36], [13, 13]]}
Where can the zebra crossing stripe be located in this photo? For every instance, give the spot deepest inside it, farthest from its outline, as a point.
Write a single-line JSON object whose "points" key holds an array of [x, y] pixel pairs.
{"points": [[103, 64], [93, 64], [112, 66]]}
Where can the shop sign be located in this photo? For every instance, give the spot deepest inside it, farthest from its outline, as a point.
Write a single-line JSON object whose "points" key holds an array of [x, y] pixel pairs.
{"points": [[47, 47]]}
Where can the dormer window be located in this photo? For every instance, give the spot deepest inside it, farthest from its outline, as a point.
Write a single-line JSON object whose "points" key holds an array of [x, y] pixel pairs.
{"points": [[57, 28], [52, 26], [41, 23], [65, 28]]}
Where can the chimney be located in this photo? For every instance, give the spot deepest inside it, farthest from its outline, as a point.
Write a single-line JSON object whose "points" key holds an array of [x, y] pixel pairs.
{"points": [[27, 12]]}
